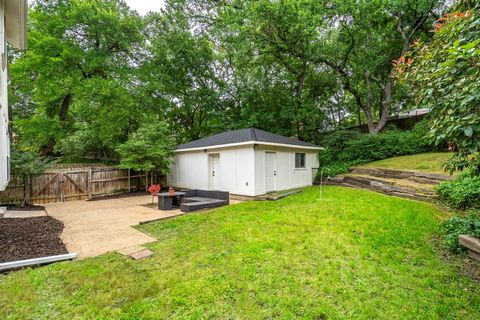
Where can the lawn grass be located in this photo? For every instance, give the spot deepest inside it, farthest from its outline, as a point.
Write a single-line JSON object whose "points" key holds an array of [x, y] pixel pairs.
{"points": [[353, 255], [424, 162]]}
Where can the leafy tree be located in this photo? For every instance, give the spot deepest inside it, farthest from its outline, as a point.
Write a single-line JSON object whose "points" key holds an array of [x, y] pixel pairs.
{"points": [[445, 77], [96, 71], [150, 147], [299, 43], [80, 71], [364, 38], [180, 79]]}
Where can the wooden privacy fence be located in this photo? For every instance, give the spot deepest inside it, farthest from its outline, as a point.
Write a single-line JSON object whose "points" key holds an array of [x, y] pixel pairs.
{"points": [[63, 183]]}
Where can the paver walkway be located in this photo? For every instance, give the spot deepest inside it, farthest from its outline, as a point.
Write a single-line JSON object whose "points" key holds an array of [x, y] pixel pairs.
{"points": [[93, 228]]}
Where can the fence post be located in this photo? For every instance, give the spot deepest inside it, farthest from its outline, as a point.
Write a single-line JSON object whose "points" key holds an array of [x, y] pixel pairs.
{"points": [[28, 187], [89, 183], [129, 184]]}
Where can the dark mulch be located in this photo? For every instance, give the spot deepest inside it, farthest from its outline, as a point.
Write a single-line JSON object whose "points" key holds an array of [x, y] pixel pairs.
{"points": [[25, 208], [30, 238]]}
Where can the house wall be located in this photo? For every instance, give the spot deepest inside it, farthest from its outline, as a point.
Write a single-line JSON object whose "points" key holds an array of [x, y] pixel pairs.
{"points": [[236, 171], [288, 177], [4, 136]]}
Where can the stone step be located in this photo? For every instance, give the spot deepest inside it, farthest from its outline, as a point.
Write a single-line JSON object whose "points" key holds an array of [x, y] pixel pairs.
{"points": [[419, 177], [472, 244], [136, 252], [419, 187], [3, 210], [385, 187], [383, 173], [141, 254]]}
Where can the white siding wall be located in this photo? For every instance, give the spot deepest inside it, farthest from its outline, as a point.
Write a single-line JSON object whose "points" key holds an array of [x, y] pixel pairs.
{"points": [[4, 138], [236, 171], [288, 177]]}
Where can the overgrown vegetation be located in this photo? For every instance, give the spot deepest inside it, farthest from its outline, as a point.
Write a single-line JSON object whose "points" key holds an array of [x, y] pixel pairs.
{"points": [[345, 148], [459, 225], [461, 193]]}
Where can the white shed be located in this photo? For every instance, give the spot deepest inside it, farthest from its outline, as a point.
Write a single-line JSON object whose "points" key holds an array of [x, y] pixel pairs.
{"points": [[247, 162], [13, 19]]}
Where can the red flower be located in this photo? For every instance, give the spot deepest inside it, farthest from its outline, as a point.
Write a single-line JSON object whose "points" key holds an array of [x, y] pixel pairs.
{"points": [[154, 189]]}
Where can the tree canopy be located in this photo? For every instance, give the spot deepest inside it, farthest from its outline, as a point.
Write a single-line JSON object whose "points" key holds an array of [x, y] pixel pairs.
{"points": [[445, 76], [96, 72]]}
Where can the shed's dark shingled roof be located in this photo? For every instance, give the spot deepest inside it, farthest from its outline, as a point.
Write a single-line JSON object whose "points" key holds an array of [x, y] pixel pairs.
{"points": [[243, 135]]}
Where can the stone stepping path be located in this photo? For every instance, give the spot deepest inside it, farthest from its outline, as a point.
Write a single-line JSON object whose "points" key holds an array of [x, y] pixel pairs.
{"points": [[136, 252], [404, 184], [23, 214]]}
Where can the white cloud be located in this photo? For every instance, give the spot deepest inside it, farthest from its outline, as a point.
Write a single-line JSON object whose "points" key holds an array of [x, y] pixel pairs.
{"points": [[145, 6]]}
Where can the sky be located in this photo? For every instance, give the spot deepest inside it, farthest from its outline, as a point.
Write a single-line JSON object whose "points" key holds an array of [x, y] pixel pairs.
{"points": [[144, 6]]}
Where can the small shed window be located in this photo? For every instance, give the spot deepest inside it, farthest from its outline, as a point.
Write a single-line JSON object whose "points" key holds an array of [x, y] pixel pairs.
{"points": [[299, 160]]}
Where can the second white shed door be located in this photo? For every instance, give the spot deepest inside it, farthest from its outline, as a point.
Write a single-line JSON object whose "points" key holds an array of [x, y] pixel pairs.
{"points": [[215, 171], [270, 171]]}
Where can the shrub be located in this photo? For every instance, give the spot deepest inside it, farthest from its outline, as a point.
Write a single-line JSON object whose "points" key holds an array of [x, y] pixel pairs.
{"points": [[334, 169], [150, 147], [456, 226], [381, 146], [334, 143], [445, 78], [462, 193], [350, 147]]}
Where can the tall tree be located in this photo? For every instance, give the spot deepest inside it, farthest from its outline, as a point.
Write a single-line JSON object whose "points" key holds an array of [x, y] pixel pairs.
{"points": [[179, 76], [80, 71], [365, 38], [269, 49]]}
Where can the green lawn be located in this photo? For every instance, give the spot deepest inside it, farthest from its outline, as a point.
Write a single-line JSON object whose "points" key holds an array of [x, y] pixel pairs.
{"points": [[354, 254], [424, 162]]}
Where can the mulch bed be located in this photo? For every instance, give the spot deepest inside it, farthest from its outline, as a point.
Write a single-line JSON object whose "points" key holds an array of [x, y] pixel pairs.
{"points": [[30, 238], [25, 208]]}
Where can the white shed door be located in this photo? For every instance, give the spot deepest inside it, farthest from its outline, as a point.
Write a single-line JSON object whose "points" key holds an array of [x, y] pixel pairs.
{"points": [[270, 171], [214, 171]]}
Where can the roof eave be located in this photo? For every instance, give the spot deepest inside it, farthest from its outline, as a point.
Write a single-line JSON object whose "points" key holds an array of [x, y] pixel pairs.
{"points": [[246, 143]]}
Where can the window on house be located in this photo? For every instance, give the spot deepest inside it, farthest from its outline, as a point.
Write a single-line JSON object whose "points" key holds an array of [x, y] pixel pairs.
{"points": [[299, 160]]}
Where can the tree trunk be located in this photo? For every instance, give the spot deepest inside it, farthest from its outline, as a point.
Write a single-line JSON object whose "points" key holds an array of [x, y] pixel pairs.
{"points": [[386, 105], [298, 101], [47, 149], [368, 107], [63, 114]]}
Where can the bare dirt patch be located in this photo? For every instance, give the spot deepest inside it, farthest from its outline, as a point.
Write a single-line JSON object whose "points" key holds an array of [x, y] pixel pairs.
{"points": [[30, 238]]}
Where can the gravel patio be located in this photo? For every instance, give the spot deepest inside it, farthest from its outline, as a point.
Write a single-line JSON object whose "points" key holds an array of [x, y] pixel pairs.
{"points": [[93, 228]]}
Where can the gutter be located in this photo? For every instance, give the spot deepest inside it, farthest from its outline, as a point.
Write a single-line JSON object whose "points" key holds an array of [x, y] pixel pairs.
{"points": [[251, 142], [36, 261]]}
